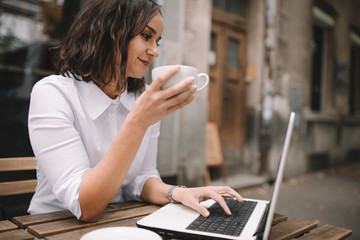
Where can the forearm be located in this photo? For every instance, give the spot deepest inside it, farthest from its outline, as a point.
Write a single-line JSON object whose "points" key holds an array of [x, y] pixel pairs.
{"points": [[154, 191], [102, 182]]}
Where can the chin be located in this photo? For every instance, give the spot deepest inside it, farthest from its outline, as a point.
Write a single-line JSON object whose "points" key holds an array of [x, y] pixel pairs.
{"points": [[136, 75], [137, 71]]}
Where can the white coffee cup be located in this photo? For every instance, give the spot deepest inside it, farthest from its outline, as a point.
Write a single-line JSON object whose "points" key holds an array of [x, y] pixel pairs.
{"points": [[121, 233], [184, 72]]}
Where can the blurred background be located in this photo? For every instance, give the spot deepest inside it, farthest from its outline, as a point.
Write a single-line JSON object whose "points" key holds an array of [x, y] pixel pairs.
{"points": [[265, 59]]}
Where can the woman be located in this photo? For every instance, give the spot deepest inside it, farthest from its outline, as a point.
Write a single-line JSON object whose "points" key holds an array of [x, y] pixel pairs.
{"points": [[94, 128]]}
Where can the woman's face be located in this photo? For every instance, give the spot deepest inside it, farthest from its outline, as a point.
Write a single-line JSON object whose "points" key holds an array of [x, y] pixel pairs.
{"points": [[143, 48]]}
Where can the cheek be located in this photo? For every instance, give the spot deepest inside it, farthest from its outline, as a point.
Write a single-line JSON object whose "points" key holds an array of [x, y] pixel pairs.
{"points": [[131, 57], [129, 67], [133, 46]]}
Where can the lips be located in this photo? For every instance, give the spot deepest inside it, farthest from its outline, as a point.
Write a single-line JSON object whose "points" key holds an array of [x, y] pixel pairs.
{"points": [[146, 63]]}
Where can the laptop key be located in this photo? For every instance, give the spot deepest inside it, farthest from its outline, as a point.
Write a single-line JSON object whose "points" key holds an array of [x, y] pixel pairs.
{"points": [[220, 222]]}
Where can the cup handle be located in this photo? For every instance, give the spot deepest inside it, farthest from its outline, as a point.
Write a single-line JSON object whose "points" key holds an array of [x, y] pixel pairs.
{"points": [[206, 81]]}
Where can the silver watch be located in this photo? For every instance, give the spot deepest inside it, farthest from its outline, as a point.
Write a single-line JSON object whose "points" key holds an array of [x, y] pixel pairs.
{"points": [[169, 193]]}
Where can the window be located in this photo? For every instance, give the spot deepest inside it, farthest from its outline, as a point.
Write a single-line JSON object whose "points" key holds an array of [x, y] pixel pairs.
{"points": [[212, 52], [27, 30], [323, 23], [233, 6], [233, 52], [354, 84], [317, 68]]}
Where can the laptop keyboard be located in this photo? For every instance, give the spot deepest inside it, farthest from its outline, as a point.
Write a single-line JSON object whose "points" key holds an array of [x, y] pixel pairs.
{"points": [[220, 222]]}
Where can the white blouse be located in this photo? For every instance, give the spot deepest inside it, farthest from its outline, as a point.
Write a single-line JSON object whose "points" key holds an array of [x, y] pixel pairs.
{"points": [[72, 124]]}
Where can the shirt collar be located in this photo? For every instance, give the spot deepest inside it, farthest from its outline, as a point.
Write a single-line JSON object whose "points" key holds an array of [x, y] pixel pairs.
{"points": [[96, 101], [128, 99]]}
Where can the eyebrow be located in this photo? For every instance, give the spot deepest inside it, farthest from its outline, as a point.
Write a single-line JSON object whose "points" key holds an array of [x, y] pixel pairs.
{"points": [[151, 29]]}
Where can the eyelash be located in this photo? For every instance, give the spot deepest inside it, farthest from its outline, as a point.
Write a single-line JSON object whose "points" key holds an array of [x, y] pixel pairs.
{"points": [[147, 37]]}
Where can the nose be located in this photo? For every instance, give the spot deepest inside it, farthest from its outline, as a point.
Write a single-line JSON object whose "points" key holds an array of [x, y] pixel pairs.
{"points": [[153, 51]]}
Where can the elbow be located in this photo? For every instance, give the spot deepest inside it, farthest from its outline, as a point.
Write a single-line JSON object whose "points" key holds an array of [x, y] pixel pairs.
{"points": [[87, 216]]}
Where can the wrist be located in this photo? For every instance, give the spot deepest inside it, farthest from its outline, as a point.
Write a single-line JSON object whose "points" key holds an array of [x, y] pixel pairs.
{"points": [[173, 194], [135, 122]]}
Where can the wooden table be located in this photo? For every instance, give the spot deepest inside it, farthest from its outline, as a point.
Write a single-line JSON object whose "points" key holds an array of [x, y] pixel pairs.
{"points": [[63, 224]]}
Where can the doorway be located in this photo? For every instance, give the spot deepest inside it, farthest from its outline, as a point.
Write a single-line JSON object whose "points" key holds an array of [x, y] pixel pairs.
{"points": [[227, 89]]}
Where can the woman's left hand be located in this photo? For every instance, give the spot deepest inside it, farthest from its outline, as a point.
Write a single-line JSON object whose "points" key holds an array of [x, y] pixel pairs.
{"points": [[192, 197]]}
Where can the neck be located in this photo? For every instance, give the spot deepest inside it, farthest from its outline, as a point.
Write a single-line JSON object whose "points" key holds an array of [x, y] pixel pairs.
{"points": [[110, 91]]}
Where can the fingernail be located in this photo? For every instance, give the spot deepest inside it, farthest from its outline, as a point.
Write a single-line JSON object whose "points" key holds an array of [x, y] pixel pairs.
{"points": [[206, 213]]}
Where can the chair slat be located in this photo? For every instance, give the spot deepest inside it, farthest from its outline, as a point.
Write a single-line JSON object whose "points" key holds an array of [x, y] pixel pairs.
{"points": [[17, 164], [17, 187]]}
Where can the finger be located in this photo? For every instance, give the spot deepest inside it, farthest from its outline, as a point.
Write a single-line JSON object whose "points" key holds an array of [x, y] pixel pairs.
{"points": [[238, 196], [181, 97], [181, 104], [227, 195], [199, 208], [229, 192], [163, 77], [215, 196], [179, 87]]}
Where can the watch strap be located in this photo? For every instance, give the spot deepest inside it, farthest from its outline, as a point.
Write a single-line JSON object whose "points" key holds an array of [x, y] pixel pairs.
{"points": [[170, 191]]}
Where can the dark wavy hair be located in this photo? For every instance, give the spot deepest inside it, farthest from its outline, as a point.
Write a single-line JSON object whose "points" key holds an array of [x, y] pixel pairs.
{"points": [[95, 48]]}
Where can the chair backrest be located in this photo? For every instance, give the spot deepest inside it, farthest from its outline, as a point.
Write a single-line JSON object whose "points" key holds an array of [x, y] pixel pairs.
{"points": [[213, 153], [14, 165]]}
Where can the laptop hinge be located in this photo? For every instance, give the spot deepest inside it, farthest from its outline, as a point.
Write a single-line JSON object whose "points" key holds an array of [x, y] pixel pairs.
{"points": [[260, 231]]}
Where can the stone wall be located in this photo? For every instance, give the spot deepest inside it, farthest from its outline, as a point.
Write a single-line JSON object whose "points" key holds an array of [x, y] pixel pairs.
{"points": [[182, 140]]}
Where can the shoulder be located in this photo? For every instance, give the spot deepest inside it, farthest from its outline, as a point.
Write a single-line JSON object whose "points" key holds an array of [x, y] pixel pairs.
{"points": [[53, 92], [53, 97], [54, 84], [54, 81]]}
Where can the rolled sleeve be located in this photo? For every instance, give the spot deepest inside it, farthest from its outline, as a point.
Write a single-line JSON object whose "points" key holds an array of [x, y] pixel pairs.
{"points": [[57, 145]]}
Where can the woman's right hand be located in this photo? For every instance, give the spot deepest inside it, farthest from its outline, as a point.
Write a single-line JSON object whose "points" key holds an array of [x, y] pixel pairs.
{"points": [[155, 103]]}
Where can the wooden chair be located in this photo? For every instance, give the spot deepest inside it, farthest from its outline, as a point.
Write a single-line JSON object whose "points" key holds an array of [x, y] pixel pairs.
{"points": [[17, 164], [213, 152], [16, 192]]}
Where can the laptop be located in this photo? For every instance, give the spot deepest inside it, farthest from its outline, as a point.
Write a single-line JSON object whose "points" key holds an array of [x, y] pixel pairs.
{"points": [[179, 221]]}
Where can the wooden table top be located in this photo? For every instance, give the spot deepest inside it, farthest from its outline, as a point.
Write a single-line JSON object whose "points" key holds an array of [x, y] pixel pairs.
{"points": [[63, 224]]}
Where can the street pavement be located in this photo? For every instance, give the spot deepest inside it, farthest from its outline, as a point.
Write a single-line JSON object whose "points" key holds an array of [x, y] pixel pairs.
{"points": [[331, 196]]}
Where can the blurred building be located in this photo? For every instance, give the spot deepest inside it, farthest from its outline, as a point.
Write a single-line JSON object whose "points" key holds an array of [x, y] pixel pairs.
{"points": [[307, 62], [307, 56], [265, 58]]}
